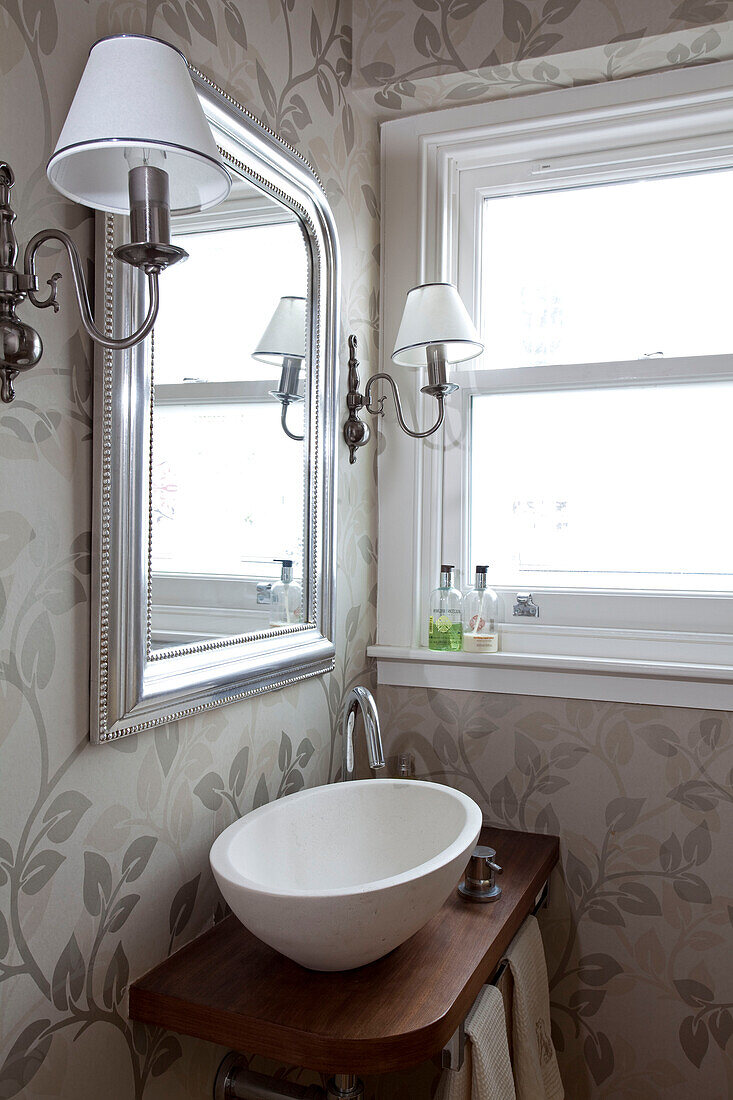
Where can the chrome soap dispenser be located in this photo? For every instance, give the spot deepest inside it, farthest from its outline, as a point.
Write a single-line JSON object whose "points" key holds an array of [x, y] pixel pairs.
{"points": [[445, 630], [286, 597]]}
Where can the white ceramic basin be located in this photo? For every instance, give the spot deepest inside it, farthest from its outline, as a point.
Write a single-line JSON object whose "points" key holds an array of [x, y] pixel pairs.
{"points": [[337, 876]]}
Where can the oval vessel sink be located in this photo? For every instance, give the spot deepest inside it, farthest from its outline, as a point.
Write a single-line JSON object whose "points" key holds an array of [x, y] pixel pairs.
{"points": [[337, 876]]}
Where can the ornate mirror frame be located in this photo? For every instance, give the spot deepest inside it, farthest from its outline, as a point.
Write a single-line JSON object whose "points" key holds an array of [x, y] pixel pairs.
{"points": [[134, 688]]}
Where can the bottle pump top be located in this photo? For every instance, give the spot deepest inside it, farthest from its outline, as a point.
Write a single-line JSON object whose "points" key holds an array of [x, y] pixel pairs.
{"points": [[481, 571], [446, 576], [286, 573]]}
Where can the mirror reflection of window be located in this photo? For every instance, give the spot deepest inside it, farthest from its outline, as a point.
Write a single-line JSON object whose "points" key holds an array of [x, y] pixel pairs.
{"points": [[228, 484], [233, 523], [233, 278]]}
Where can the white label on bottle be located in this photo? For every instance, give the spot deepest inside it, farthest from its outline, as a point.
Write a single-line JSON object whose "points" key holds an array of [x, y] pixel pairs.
{"points": [[480, 643]]}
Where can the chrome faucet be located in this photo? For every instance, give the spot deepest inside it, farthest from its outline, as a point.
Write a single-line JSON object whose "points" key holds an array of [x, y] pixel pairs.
{"points": [[360, 698]]}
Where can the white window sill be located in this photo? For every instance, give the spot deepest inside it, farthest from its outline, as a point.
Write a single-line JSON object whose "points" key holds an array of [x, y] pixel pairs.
{"points": [[708, 686]]}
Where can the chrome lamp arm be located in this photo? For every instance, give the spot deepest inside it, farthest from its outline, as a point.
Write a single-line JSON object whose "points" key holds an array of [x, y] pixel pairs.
{"points": [[287, 392], [82, 295], [378, 409], [285, 428], [356, 432], [150, 250]]}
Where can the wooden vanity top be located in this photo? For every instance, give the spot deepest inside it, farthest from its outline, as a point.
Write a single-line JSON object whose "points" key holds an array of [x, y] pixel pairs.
{"points": [[230, 988]]}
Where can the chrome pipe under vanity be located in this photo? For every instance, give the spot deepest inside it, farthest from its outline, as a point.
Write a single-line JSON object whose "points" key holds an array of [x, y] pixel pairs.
{"points": [[236, 1082], [360, 698]]}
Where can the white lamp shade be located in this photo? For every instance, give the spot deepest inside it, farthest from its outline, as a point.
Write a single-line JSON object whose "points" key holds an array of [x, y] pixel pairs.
{"points": [[435, 314], [285, 334], [136, 93]]}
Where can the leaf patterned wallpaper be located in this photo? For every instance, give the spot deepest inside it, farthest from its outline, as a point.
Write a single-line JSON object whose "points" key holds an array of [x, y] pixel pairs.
{"points": [[103, 851], [638, 934], [411, 41]]}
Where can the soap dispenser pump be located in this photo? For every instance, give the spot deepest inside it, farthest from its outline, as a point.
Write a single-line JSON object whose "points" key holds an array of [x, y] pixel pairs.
{"points": [[286, 596]]}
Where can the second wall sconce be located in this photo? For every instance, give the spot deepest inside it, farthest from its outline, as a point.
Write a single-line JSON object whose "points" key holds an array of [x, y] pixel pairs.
{"points": [[435, 330], [135, 141], [283, 343]]}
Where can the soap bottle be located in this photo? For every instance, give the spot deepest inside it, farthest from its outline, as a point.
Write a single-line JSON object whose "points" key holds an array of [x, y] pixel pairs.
{"points": [[285, 597], [445, 629], [481, 616]]}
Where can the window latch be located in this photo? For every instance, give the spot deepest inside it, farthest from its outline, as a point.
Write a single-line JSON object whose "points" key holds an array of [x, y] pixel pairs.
{"points": [[264, 592], [526, 606]]}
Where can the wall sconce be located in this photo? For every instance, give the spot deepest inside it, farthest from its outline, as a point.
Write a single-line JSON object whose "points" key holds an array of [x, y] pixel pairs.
{"points": [[283, 343], [435, 330], [135, 141]]}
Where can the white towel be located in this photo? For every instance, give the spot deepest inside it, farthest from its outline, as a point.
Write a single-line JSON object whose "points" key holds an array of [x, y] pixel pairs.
{"points": [[536, 1073], [486, 1073]]}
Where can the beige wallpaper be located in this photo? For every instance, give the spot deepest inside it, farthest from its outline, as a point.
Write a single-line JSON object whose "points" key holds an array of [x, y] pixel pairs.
{"points": [[638, 934], [416, 39], [103, 851]]}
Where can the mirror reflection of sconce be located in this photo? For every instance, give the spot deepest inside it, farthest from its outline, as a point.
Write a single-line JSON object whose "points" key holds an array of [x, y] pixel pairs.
{"points": [[283, 343], [435, 330], [135, 141]]}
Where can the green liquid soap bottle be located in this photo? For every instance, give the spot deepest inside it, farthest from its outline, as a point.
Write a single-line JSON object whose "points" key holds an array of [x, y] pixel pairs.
{"points": [[445, 629]]}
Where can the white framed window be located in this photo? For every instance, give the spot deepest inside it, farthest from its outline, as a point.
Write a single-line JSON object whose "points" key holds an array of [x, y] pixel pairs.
{"points": [[585, 457]]}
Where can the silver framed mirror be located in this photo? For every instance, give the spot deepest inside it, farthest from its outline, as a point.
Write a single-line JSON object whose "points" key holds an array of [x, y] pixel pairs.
{"points": [[213, 456]]}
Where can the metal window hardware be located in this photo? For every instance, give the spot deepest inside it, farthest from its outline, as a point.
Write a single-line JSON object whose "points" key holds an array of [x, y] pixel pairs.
{"points": [[526, 606], [264, 592]]}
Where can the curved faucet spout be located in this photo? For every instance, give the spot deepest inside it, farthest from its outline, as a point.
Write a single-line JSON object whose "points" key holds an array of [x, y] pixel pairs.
{"points": [[359, 698]]}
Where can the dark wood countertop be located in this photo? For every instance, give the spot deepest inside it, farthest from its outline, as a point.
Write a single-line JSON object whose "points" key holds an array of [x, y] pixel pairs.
{"points": [[230, 988]]}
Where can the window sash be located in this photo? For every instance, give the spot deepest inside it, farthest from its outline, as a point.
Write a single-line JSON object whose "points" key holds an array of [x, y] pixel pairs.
{"points": [[456, 474], [460, 226], [463, 224], [179, 585], [215, 393]]}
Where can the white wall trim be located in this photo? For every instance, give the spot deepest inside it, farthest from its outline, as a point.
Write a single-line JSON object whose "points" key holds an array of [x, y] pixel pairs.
{"points": [[664, 683]]}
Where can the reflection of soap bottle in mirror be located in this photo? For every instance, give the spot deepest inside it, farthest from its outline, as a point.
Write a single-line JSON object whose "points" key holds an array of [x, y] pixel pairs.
{"points": [[444, 627], [480, 616], [285, 597]]}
